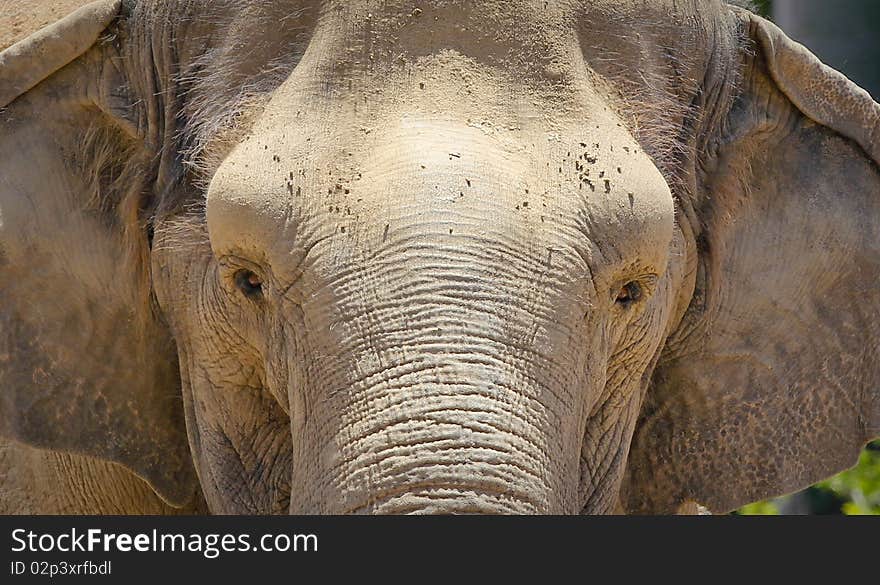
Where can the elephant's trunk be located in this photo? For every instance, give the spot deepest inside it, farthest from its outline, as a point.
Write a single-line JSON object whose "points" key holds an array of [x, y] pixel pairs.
{"points": [[442, 436], [451, 437], [439, 402], [437, 396]]}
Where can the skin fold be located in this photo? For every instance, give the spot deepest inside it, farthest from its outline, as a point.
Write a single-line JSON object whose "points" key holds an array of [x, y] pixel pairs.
{"points": [[444, 257]]}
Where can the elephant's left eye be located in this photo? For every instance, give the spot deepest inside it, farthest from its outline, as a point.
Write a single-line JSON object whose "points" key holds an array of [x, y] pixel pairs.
{"points": [[249, 283], [629, 293]]}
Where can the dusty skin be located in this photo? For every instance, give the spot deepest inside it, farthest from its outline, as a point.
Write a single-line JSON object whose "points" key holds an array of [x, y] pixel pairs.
{"points": [[436, 257], [37, 481]]}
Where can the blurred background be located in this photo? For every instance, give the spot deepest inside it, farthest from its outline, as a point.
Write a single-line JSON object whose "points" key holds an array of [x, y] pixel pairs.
{"points": [[846, 35]]}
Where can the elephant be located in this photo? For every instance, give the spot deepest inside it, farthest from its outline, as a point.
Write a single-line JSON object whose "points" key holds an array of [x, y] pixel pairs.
{"points": [[321, 257]]}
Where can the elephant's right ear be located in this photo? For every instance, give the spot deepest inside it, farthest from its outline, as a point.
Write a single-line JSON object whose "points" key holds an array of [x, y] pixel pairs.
{"points": [[86, 366]]}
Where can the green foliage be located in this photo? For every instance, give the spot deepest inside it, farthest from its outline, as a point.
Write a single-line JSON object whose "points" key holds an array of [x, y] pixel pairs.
{"points": [[859, 486], [759, 509], [853, 492]]}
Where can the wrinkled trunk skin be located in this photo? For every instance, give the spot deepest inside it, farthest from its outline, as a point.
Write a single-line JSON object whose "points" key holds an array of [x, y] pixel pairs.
{"points": [[439, 414], [445, 446]]}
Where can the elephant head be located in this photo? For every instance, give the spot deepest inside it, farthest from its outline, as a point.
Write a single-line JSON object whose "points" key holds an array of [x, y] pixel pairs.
{"points": [[439, 256]]}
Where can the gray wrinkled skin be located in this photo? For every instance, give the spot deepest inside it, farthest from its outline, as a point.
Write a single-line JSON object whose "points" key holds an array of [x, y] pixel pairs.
{"points": [[474, 257]]}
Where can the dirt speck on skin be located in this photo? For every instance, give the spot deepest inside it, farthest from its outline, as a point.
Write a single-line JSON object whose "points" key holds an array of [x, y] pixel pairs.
{"points": [[19, 19]]}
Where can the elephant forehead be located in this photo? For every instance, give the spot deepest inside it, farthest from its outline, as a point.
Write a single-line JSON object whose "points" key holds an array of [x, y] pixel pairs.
{"points": [[434, 183], [352, 151]]}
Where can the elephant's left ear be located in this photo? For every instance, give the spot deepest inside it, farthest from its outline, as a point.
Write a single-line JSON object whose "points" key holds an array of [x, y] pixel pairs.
{"points": [[771, 380], [86, 364]]}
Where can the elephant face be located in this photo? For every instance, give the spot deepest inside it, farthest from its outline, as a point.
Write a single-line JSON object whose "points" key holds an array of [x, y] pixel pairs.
{"points": [[443, 318], [460, 258]]}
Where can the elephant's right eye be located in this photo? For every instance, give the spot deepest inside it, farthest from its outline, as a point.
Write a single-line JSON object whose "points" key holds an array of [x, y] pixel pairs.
{"points": [[249, 283]]}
